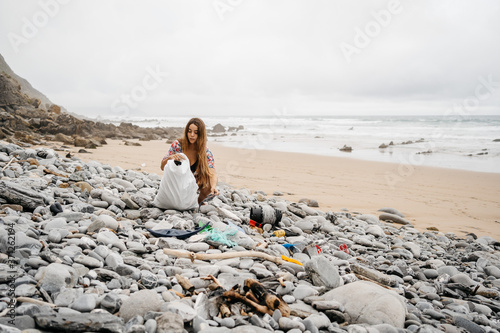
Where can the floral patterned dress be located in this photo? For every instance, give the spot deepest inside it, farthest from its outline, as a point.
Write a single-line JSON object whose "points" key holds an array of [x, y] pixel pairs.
{"points": [[176, 148]]}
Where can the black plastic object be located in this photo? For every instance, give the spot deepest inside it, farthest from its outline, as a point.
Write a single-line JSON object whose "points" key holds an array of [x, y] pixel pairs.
{"points": [[56, 208], [265, 215], [181, 234]]}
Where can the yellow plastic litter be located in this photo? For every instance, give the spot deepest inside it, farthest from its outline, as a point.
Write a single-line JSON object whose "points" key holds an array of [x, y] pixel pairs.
{"points": [[290, 260]]}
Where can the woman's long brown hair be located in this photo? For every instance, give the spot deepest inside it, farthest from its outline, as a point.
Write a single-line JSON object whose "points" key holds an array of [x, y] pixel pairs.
{"points": [[201, 150]]}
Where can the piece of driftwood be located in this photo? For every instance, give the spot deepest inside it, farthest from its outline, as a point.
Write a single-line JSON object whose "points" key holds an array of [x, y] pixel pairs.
{"points": [[55, 173], [234, 296], [22, 299], [226, 255], [269, 298], [12, 159], [215, 285], [361, 277], [373, 275], [185, 284], [181, 295], [224, 310]]}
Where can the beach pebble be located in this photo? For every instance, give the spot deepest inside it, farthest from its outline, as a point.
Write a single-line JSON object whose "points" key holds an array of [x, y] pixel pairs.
{"points": [[169, 322], [139, 304], [184, 311], [54, 277], [323, 272], [84, 303], [303, 291]]}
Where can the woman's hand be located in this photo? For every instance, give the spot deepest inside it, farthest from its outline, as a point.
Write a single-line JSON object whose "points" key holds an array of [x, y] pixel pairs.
{"points": [[213, 190], [175, 157]]}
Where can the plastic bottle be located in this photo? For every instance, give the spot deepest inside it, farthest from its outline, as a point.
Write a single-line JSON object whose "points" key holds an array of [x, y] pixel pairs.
{"points": [[279, 233]]}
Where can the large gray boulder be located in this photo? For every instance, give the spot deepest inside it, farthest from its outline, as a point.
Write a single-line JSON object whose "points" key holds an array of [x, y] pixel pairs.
{"points": [[139, 304], [55, 277], [369, 303], [20, 195], [323, 272], [81, 322]]}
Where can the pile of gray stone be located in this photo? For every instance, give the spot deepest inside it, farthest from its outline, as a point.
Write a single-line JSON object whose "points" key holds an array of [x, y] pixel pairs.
{"points": [[77, 256]]}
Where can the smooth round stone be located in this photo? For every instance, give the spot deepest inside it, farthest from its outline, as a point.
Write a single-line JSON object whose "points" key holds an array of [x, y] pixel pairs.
{"points": [[289, 324], [433, 296], [261, 273], [450, 270], [424, 306], [468, 325], [102, 251], [84, 303], [431, 273], [408, 278], [107, 237], [206, 270], [148, 279], [114, 284], [434, 314], [302, 291], [172, 271], [319, 320], [289, 286], [113, 260], [54, 236], [492, 271], [25, 290], [36, 262], [463, 278], [150, 326], [198, 247], [289, 299], [57, 223], [227, 322], [66, 297], [246, 263], [88, 261]]}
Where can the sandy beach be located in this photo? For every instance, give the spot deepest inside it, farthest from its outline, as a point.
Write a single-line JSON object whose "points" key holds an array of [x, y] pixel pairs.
{"points": [[447, 199]]}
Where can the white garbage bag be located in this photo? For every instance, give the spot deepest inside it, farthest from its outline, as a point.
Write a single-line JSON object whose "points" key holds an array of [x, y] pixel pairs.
{"points": [[178, 188]]}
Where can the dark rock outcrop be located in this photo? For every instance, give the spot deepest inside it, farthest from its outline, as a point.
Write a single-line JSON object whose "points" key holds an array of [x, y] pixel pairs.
{"points": [[25, 119]]}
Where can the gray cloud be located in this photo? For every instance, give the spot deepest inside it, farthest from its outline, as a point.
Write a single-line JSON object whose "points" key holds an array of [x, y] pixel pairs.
{"points": [[260, 55]]}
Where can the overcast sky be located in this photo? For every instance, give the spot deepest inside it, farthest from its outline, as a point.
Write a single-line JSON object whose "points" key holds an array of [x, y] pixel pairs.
{"points": [[250, 57]]}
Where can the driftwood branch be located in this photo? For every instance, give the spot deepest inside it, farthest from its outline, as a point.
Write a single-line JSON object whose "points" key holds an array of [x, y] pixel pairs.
{"points": [[216, 284], [55, 173], [225, 255], [185, 284], [373, 275], [269, 298], [34, 301], [12, 159], [234, 296]]}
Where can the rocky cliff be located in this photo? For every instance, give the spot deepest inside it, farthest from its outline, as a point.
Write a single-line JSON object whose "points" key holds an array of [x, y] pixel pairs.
{"points": [[29, 117]]}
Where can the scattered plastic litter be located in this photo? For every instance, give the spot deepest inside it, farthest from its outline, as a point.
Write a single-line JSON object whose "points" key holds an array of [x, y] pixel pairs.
{"points": [[181, 234], [255, 224], [291, 260], [221, 236], [232, 225]]}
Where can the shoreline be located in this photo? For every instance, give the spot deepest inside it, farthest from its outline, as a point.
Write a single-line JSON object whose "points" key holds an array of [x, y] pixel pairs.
{"points": [[450, 200]]}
